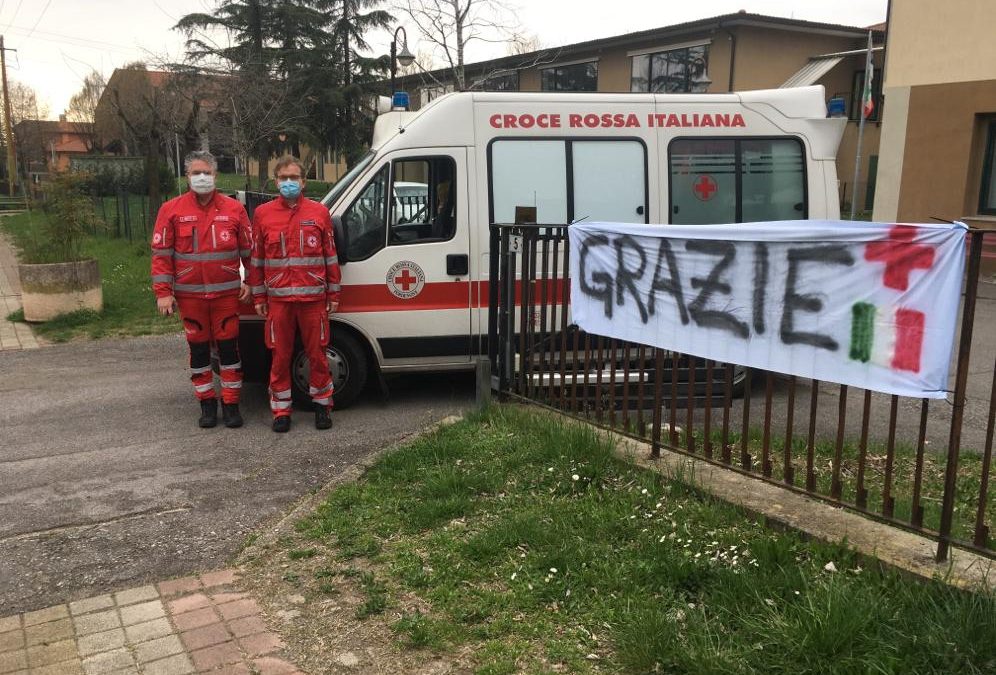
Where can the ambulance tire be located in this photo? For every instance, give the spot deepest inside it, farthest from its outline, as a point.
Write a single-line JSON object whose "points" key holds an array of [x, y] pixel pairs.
{"points": [[348, 364]]}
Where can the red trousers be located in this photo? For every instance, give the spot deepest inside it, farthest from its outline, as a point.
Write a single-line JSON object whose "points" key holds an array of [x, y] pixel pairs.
{"points": [[311, 319], [213, 321]]}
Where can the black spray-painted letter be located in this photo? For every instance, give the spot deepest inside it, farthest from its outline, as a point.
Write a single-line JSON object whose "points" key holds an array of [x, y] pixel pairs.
{"points": [[626, 276], [672, 284], [825, 255], [714, 318], [603, 293]]}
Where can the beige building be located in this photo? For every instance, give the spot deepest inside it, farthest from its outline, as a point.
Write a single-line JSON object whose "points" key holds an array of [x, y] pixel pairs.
{"points": [[939, 138], [733, 52]]}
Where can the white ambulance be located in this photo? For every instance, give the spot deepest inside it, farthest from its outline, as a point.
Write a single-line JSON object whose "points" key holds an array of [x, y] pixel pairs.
{"points": [[413, 215]]}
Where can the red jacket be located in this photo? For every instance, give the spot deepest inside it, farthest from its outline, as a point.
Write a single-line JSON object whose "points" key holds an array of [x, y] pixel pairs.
{"points": [[196, 249], [293, 253]]}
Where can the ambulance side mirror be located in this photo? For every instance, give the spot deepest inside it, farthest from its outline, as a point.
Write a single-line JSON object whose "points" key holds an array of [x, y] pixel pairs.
{"points": [[341, 240]]}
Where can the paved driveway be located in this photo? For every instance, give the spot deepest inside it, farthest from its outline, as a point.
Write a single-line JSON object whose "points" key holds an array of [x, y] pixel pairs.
{"points": [[106, 482]]}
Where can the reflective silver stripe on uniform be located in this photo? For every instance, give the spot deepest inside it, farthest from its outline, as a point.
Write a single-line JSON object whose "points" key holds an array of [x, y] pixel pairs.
{"points": [[280, 405], [201, 388], [162, 278], [322, 401], [208, 288], [284, 395], [296, 290], [198, 371], [245, 252], [288, 262], [165, 252], [258, 290], [283, 245], [232, 366], [327, 389], [332, 260], [217, 255], [256, 262], [335, 287], [231, 385]]}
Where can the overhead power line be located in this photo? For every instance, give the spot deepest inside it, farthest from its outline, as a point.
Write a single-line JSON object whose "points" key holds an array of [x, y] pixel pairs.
{"points": [[40, 17]]}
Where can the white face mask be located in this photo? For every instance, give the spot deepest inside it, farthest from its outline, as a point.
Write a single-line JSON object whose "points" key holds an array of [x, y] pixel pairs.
{"points": [[202, 184]]}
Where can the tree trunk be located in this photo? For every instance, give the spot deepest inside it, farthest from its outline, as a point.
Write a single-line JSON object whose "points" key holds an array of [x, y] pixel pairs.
{"points": [[152, 175], [263, 160]]}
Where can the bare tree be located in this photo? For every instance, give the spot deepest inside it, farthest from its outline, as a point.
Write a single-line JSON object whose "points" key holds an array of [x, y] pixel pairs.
{"points": [[449, 26], [525, 44], [140, 109], [82, 108], [24, 103]]}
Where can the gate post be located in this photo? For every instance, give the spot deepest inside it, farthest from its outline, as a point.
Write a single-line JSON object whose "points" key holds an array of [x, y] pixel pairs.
{"points": [[961, 381]]}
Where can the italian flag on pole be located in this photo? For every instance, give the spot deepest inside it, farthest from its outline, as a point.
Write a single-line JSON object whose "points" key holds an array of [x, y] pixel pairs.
{"points": [[867, 102]]}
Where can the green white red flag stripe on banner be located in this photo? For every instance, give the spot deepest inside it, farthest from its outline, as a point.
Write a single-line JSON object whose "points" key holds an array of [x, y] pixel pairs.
{"points": [[872, 305]]}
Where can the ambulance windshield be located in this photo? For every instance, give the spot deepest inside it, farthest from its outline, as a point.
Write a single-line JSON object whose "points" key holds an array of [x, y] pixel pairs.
{"points": [[347, 180]]}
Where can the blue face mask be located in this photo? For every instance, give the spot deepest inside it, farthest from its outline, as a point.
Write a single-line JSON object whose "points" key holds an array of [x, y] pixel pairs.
{"points": [[290, 189]]}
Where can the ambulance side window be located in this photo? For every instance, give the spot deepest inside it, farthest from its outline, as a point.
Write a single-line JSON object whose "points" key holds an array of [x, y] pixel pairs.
{"points": [[423, 200], [366, 218], [529, 181]]}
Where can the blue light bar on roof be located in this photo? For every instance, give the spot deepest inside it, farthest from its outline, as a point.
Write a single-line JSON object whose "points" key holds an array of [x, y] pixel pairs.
{"points": [[400, 101]]}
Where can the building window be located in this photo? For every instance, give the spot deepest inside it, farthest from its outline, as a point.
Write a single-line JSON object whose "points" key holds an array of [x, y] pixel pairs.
{"points": [[576, 77], [674, 71], [857, 94], [987, 196], [502, 82]]}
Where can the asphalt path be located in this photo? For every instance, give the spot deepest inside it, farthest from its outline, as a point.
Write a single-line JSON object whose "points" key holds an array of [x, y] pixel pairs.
{"points": [[106, 482]]}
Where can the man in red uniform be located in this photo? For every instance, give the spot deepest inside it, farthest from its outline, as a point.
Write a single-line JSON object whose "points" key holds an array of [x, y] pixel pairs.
{"points": [[198, 240], [294, 280]]}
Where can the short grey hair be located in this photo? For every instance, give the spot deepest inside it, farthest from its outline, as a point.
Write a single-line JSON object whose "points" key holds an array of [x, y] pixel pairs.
{"points": [[199, 156]]}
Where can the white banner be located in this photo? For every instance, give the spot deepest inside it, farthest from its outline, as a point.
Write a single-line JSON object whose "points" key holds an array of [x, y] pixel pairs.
{"points": [[865, 304]]}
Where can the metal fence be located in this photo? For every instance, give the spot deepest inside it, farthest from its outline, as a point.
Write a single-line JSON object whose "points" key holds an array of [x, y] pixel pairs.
{"points": [[894, 459]]}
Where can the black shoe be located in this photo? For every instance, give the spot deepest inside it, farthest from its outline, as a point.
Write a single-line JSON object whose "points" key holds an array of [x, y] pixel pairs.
{"points": [[230, 413], [209, 414], [281, 424], [323, 417]]}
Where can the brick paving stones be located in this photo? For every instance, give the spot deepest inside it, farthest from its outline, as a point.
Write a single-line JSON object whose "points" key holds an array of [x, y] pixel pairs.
{"points": [[196, 624]]}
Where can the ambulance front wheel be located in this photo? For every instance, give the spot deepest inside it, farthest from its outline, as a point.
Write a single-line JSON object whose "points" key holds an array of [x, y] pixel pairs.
{"points": [[347, 363]]}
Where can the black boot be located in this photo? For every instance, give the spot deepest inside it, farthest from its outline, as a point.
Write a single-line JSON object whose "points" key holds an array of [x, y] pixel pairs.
{"points": [[230, 413], [323, 417], [209, 414], [281, 424]]}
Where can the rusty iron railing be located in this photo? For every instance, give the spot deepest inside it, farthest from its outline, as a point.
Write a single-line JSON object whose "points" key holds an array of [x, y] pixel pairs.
{"points": [[919, 465]]}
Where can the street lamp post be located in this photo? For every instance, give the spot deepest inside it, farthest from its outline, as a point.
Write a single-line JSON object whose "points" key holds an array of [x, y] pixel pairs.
{"points": [[405, 58]]}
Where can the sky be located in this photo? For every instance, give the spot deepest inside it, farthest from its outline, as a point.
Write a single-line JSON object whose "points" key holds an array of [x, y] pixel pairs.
{"points": [[59, 41]]}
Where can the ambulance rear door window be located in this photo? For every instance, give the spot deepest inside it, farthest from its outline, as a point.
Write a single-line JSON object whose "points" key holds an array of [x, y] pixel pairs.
{"points": [[725, 180]]}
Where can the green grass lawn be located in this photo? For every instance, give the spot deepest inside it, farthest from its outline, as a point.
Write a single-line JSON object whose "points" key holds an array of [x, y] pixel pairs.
{"points": [[129, 305], [530, 543]]}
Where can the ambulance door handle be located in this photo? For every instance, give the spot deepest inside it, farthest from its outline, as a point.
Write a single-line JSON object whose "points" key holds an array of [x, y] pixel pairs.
{"points": [[639, 210], [457, 264]]}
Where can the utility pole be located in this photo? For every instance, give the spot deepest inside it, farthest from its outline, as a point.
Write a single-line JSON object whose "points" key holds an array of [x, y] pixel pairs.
{"points": [[8, 129]]}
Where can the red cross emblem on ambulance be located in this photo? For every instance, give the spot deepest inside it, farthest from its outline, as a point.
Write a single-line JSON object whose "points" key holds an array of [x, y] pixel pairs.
{"points": [[705, 187], [405, 279]]}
